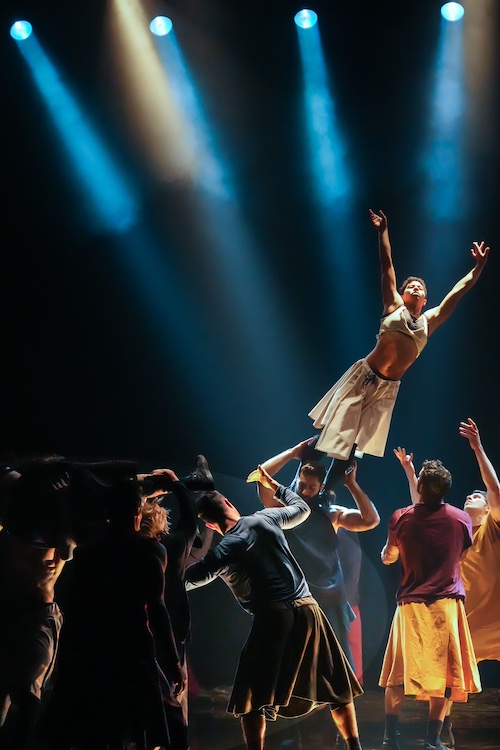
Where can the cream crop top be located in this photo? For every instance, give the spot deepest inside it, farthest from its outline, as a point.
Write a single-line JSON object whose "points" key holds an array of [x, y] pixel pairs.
{"points": [[400, 320]]}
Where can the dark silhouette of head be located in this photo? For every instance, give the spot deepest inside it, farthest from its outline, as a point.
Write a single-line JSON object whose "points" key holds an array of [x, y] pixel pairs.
{"points": [[211, 507]]}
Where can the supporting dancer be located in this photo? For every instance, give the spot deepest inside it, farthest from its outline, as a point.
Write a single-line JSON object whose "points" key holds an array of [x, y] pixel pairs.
{"points": [[480, 567], [356, 411], [315, 543], [291, 661], [429, 653]]}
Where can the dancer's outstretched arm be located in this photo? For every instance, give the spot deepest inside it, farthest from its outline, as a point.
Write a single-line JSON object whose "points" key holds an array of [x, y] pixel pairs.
{"points": [[362, 518], [406, 461], [437, 315], [390, 295], [489, 476], [272, 466]]}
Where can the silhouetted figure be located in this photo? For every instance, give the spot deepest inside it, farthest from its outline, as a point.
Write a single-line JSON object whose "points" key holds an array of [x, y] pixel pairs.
{"points": [[110, 689], [45, 503], [178, 542], [30, 620]]}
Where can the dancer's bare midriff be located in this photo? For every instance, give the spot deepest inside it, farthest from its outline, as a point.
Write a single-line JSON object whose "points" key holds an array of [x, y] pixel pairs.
{"points": [[392, 355]]}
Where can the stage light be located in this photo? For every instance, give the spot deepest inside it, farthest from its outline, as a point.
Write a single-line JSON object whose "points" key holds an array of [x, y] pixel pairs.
{"points": [[161, 26], [107, 202], [21, 30], [452, 11], [305, 18]]}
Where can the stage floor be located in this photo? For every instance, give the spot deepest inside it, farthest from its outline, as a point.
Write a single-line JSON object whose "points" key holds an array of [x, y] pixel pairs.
{"points": [[476, 724]]}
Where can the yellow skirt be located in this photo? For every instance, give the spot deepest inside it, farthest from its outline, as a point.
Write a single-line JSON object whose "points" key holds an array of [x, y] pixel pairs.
{"points": [[430, 652]]}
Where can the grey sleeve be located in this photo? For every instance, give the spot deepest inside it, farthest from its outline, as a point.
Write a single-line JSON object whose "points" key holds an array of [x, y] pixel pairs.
{"points": [[296, 509], [208, 568]]}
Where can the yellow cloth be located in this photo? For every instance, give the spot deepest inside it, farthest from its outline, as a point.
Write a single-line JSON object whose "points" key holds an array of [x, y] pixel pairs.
{"points": [[430, 650], [481, 576], [259, 476]]}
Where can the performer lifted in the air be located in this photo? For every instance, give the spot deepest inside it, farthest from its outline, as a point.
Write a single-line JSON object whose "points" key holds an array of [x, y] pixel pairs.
{"points": [[356, 411]]}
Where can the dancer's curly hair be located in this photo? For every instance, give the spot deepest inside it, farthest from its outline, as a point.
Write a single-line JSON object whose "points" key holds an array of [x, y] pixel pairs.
{"points": [[155, 519]]}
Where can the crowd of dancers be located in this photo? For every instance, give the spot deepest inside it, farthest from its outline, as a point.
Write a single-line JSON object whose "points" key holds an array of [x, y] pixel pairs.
{"points": [[111, 674]]}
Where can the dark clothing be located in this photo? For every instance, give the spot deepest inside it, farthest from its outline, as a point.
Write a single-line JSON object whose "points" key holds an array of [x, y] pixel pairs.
{"points": [[28, 648], [37, 512], [178, 543], [29, 629], [291, 660], [254, 559], [291, 663], [430, 543], [350, 555], [315, 545], [28, 640], [109, 686]]}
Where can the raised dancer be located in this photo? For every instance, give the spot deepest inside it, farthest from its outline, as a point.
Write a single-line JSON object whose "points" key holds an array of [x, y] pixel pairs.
{"points": [[356, 411]]}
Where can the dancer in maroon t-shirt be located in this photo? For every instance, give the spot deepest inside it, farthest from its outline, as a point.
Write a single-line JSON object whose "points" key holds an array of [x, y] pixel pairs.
{"points": [[429, 653]]}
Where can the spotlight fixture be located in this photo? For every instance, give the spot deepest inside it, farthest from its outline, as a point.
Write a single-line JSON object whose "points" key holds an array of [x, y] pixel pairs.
{"points": [[305, 19], [21, 30], [452, 11], [160, 26]]}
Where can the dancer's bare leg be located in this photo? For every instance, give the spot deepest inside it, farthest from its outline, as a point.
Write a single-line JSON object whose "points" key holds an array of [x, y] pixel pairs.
{"points": [[346, 722], [254, 730]]}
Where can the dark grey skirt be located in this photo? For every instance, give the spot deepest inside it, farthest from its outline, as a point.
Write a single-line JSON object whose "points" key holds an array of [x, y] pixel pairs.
{"points": [[291, 663]]}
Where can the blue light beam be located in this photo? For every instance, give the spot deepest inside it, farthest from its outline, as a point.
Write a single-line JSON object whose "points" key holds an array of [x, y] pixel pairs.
{"points": [[326, 145], [173, 314], [333, 188], [444, 161], [109, 203]]}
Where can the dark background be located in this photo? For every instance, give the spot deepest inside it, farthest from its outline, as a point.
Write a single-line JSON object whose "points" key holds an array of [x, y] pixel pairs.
{"points": [[89, 369]]}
